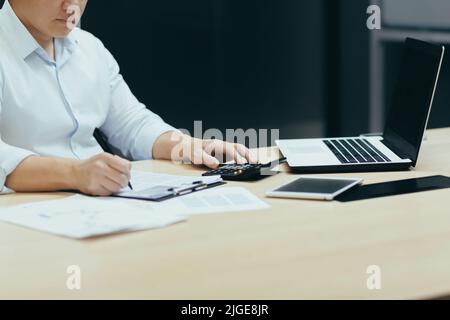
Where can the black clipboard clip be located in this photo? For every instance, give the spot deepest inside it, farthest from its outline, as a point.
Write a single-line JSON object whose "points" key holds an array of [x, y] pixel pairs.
{"points": [[195, 186], [161, 193]]}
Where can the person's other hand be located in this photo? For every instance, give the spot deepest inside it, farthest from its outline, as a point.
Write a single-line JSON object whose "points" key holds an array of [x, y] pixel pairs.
{"points": [[102, 175]]}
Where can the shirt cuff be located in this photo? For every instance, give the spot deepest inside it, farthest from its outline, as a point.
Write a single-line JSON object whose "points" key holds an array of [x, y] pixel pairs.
{"points": [[143, 148], [9, 162]]}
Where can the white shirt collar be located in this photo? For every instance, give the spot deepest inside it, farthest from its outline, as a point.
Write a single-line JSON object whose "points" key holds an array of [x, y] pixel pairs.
{"points": [[20, 38]]}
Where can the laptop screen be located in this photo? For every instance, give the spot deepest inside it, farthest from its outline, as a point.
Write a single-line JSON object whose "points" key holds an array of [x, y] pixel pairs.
{"points": [[412, 98]]}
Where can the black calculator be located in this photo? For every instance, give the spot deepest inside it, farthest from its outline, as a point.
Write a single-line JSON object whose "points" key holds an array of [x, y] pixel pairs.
{"points": [[244, 172]]}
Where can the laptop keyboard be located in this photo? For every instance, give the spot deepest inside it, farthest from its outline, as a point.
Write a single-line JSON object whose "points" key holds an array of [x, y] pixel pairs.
{"points": [[355, 151]]}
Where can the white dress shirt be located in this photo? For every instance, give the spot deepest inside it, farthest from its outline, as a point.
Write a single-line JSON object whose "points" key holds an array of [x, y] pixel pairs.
{"points": [[51, 108]]}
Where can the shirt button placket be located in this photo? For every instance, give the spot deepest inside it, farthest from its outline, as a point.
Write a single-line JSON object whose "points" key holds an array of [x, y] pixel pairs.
{"points": [[72, 113]]}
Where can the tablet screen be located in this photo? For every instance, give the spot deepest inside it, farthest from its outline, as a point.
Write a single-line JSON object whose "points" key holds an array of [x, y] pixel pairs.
{"points": [[323, 186]]}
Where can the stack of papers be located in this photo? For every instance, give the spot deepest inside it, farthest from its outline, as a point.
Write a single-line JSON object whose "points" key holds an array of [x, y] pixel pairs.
{"points": [[81, 216], [217, 200]]}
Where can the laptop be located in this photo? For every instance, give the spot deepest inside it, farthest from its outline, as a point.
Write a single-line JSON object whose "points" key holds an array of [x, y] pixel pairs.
{"points": [[398, 148]]}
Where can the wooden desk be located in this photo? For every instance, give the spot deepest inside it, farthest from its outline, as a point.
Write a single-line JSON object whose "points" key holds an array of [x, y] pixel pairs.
{"points": [[297, 249]]}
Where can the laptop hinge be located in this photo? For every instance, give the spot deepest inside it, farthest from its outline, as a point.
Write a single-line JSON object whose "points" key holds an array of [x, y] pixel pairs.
{"points": [[397, 151]]}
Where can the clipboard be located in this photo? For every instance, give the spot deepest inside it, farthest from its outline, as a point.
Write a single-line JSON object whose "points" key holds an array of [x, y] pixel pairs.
{"points": [[166, 192]]}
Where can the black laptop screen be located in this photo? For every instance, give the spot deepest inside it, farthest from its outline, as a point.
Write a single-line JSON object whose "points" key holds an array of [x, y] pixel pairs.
{"points": [[411, 100]]}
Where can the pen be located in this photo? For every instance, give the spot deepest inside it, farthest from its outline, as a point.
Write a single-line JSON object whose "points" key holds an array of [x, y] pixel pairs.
{"points": [[99, 137]]}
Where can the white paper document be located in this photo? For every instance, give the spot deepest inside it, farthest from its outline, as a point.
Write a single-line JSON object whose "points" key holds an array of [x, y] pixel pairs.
{"points": [[226, 199], [82, 217], [215, 200]]}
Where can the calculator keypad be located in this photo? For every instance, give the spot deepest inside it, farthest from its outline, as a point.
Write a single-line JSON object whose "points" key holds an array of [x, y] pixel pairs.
{"points": [[238, 172]]}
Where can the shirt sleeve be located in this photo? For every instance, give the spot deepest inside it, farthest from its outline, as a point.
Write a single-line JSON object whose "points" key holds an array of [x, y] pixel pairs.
{"points": [[130, 127], [10, 156]]}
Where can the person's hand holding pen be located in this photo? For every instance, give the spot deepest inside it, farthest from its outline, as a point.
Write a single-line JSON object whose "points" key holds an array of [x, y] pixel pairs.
{"points": [[102, 175], [98, 135]]}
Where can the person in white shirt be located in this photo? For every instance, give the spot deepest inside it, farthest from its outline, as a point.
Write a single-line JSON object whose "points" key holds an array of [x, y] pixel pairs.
{"points": [[59, 83]]}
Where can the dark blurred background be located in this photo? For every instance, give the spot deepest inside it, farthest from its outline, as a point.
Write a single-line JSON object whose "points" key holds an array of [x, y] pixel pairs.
{"points": [[230, 63], [306, 67]]}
